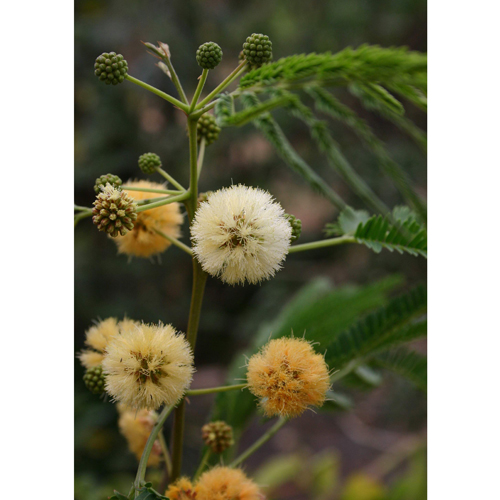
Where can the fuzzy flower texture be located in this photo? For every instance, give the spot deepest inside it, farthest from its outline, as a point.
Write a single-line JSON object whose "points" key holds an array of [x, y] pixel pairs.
{"points": [[241, 234], [143, 240], [148, 366], [219, 483], [288, 377]]}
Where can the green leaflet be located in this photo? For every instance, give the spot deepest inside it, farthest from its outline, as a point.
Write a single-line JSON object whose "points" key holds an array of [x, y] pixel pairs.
{"points": [[406, 363], [273, 133], [391, 324], [367, 63]]}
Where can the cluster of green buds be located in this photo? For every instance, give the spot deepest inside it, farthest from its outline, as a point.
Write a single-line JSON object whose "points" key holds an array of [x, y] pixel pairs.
{"points": [[149, 162], [296, 226], [209, 55], [111, 68], [257, 50], [218, 436], [94, 380], [208, 129], [114, 211], [101, 181]]}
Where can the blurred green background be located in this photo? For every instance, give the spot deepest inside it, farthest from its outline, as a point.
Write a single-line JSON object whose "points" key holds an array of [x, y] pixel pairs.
{"points": [[114, 125]]}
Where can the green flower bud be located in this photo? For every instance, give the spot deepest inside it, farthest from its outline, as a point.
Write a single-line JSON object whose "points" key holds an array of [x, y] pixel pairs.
{"points": [[114, 211], [209, 55], [218, 436], [149, 162], [296, 226], [111, 68], [257, 50], [94, 380], [100, 182], [207, 127]]}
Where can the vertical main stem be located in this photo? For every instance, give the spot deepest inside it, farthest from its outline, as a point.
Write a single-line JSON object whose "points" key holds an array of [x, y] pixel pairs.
{"points": [[199, 281]]}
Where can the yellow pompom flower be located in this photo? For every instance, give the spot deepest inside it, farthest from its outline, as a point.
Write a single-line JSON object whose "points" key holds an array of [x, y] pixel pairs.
{"points": [[143, 240], [97, 338], [223, 483], [136, 426], [182, 489], [288, 377], [241, 234], [148, 366]]}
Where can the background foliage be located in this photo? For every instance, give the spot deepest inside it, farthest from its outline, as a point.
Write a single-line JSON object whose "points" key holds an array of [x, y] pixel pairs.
{"points": [[115, 125]]}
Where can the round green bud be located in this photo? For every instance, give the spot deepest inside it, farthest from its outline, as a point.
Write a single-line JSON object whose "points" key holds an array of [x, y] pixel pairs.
{"points": [[111, 68], [218, 436], [94, 380], [296, 226], [209, 55], [207, 128], [114, 211], [149, 162], [100, 182], [257, 50]]}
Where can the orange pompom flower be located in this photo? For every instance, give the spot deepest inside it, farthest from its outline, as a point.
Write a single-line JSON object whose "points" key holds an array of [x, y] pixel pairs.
{"points": [[143, 240], [223, 483], [288, 377], [182, 489]]}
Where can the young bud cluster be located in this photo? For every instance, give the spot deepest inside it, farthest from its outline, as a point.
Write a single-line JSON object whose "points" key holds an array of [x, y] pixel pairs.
{"points": [[149, 162], [296, 226], [94, 380], [218, 436], [111, 68], [114, 211], [257, 50], [209, 55], [101, 181], [208, 129]]}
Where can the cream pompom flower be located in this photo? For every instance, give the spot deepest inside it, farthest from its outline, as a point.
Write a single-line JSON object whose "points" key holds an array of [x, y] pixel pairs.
{"points": [[143, 240], [288, 377], [241, 234], [97, 338], [148, 366]]}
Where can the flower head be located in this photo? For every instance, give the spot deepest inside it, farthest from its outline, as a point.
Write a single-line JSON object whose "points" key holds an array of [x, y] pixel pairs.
{"points": [[97, 338], [182, 489], [288, 377], [240, 234], [148, 366], [136, 426], [143, 240], [223, 483], [217, 435]]}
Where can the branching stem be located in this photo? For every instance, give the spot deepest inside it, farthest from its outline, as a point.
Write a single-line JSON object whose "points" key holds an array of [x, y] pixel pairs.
{"points": [[212, 390], [166, 201], [199, 89], [175, 242], [322, 243], [170, 179]]}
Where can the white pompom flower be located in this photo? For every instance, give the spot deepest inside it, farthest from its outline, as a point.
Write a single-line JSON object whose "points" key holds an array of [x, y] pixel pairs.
{"points": [[241, 234]]}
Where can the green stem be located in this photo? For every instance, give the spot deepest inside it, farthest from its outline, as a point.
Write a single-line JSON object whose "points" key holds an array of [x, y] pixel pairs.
{"points": [[82, 215], [170, 179], [201, 156], [166, 201], [175, 80], [166, 453], [227, 81], [192, 202], [141, 471], [78, 207], [263, 439], [322, 243], [212, 390], [159, 93], [203, 464], [149, 190], [175, 242], [199, 89]]}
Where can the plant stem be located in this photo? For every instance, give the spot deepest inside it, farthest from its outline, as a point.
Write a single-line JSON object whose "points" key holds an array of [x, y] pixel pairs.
{"points": [[192, 202], [149, 190], [175, 242], [322, 243], [199, 89], [78, 207], [227, 81], [170, 179], [82, 215], [166, 201], [203, 464], [159, 93], [201, 156], [141, 471], [175, 80], [212, 390], [263, 439]]}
